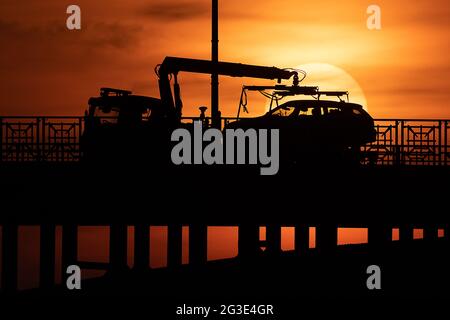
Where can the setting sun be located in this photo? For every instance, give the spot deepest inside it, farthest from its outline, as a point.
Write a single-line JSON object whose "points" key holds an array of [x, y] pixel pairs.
{"points": [[331, 78]]}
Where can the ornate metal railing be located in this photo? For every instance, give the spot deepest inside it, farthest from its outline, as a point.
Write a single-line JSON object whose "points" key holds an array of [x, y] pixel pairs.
{"points": [[50, 139], [411, 142], [57, 139]]}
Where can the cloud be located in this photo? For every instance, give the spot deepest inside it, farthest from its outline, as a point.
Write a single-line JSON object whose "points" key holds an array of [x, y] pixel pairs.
{"points": [[176, 11], [116, 35]]}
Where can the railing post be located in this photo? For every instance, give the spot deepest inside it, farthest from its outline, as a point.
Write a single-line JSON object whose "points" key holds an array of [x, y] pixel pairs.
{"points": [[398, 153], [81, 120], [43, 138], [446, 146], [439, 148], [35, 141]]}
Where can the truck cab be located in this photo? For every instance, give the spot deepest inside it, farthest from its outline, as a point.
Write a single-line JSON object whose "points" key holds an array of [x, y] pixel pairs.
{"points": [[120, 125]]}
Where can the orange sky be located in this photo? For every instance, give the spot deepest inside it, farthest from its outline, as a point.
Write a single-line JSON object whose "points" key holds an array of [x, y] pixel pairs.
{"points": [[404, 69]]}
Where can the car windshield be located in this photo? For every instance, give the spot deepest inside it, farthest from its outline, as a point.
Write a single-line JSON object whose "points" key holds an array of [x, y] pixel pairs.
{"points": [[294, 110], [305, 109], [107, 115], [283, 111]]}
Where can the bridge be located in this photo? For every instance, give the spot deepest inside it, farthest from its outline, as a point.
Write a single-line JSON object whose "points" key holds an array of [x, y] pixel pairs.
{"points": [[44, 183]]}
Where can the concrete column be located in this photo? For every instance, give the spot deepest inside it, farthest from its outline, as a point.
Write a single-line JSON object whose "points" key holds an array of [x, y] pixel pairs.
{"points": [[248, 241], [69, 246], [47, 256], [174, 245], [118, 241], [142, 246], [406, 233], [379, 235], [273, 239], [9, 249], [198, 246], [301, 239], [430, 233], [326, 237]]}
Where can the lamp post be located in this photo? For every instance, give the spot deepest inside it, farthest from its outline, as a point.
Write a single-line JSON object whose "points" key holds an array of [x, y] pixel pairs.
{"points": [[215, 114]]}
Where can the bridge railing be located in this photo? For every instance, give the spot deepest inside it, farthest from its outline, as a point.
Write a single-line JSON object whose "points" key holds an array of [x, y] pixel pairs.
{"points": [[57, 139], [37, 139], [411, 142]]}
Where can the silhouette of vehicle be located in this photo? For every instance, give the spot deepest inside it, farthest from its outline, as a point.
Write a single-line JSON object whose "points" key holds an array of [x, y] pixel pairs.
{"points": [[122, 126], [316, 130], [119, 123]]}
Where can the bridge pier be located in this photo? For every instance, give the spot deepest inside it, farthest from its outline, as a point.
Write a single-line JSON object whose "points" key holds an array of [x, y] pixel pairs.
{"points": [[118, 247], [326, 237], [47, 256], [175, 245], [69, 246], [406, 233], [198, 246], [273, 239], [301, 239], [430, 232], [10, 257], [379, 236], [141, 247], [248, 241]]}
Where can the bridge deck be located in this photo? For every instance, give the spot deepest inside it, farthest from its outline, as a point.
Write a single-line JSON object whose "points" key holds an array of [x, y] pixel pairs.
{"points": [[33, 194]]}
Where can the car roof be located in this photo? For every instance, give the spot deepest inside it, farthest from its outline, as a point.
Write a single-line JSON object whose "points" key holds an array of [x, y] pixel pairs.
{"points": [[321, 103]]}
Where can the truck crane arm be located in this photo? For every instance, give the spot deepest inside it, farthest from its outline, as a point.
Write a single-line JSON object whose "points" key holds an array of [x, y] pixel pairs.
{"points": [[171, 66]]}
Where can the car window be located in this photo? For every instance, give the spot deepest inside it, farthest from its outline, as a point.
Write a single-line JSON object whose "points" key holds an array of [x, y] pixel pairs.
{"points": [[284, 111], [309, 111], [333, 110], [106, 115], [147, 114]]}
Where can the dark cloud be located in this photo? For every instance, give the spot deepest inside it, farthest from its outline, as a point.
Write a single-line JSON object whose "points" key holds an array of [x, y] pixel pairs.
{"points": [[116, 35], [176, 11]]}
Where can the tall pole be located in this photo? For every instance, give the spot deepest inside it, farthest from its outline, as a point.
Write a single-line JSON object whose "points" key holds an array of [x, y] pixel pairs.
{"points": [[215, 115]]}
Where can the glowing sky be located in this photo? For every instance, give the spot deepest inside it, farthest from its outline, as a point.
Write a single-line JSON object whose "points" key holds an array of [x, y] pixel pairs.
{"points": [[404, 69]]}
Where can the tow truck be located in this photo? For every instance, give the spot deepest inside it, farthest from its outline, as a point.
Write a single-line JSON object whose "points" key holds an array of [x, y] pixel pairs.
{"points": [[123, 126]]}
